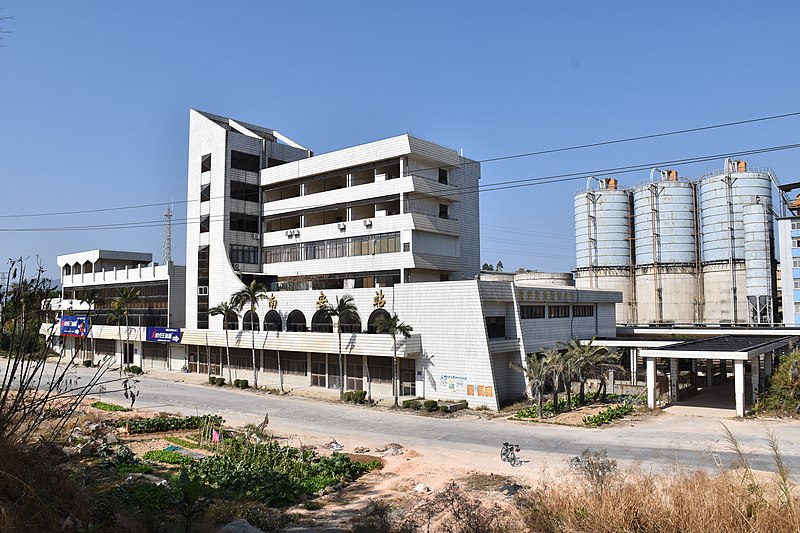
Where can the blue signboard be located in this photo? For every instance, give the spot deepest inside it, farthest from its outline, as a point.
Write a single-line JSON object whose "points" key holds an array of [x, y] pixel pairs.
{"points": [[74, 326], [163, 335]]}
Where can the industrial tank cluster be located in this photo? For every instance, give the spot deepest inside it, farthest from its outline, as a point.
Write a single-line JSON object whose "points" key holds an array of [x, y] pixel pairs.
{"points": [[680, 251]]}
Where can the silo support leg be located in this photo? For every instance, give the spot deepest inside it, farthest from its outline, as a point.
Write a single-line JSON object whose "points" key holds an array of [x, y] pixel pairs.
{"points": [[651, 382], [738, 377]]}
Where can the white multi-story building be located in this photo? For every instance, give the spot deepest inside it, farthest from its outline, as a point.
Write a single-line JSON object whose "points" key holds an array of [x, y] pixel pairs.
{"points": [[789, 244], [392, 223]]}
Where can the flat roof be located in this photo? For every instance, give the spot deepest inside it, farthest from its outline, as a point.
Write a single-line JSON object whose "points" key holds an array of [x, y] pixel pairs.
{"points": [[721, 347]]}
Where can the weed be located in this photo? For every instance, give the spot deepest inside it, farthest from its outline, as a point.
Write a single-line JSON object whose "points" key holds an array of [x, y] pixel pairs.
{"points": [[103, 406]]}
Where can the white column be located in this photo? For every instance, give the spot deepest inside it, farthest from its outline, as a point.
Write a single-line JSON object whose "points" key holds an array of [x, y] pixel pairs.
{"points": [[634, 355], [755, 380], [673, 379], [651, 382], [710, 372], [738, 376]]}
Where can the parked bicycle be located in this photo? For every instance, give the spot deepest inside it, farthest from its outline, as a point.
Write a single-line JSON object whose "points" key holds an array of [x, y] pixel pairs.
{"points": [[508, 453]]}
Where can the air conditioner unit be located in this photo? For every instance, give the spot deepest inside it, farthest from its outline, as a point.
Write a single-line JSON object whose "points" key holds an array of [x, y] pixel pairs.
{"points": [[237, 266], [256, 236], [368, 223]]}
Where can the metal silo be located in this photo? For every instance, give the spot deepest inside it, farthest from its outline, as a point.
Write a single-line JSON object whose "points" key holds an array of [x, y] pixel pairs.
{"points": [[758, 262], [722, 198], [666, 249], [603, 243]]}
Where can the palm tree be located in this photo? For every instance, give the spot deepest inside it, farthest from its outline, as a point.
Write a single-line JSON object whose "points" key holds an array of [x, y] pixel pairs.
{"points": [[93, 298], [250, 296], [225, 309], [536, 374], [126, 296], [345, 309], [585, 358], [554, 362], [393, 326]]}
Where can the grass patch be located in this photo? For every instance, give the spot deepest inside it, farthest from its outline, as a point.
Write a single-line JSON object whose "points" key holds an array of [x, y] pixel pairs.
{"points": [[170, 458], [112, 407]]}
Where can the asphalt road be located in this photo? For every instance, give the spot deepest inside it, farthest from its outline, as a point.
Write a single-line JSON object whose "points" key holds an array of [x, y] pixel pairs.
{"points": [[660, 443]]}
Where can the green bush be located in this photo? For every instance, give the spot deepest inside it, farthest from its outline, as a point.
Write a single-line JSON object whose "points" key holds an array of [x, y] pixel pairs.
{"points": [[87, 363], [109, 407], [355, 396], [171, 458], [211, 380], [244, 384], [408, 404], [347, 397], [219, 382], [237, 383], [133, 369], [606, 416], [431, 405], [159, 425], [444, 409], [782, 394], [416, 405]]}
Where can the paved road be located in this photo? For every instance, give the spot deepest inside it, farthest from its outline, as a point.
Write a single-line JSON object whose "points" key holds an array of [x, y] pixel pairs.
{"points": [[658, 444]]}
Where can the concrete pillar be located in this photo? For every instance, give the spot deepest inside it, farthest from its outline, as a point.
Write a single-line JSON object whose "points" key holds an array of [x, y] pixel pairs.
{"points": [[634, 363], [762, 383], [694, 376], [710, 372], [755, 380], [723, 367], [611, 381], [651, 382], [738, 376], [769, 358], [673, 379]]}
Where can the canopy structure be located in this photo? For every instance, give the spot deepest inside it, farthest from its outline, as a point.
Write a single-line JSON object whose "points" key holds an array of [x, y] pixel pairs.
{"points": [[755, 350]]}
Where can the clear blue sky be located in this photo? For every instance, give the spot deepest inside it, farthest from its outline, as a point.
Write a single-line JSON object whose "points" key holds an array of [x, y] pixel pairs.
{"points": [[96, 97]]}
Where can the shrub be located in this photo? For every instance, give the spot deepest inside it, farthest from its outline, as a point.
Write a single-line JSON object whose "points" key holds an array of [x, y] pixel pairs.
{"points": [[109, 407], [133, 369], [347, 397], [211, 380], [237, 383], [355, 396], [783, 388], [431, 405], [164, 456], [608, 415], [87, 363], [244, 384], [444, 409], [407, 404], [416, 405], [219, 382]]}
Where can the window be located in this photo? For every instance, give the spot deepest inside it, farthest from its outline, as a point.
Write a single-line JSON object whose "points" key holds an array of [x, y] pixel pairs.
{"points": [[531, 311], [321, 322], [202, 290], [242, 222], [795, 263], [796, 309], [205, 224], [795, 243], [406, 246], [205, 192], [205, 163], [382, 243], [582, 310], [496, 327], [272, 162], [797, 284], [250, 322], [243, 254], [558, 311], [244, 191], [243, 161], [795, 224], [442, 176], [443, 211], [296, 321], [272, 321], [444, 277], [380, 369], [202, 281], [294, 363]]}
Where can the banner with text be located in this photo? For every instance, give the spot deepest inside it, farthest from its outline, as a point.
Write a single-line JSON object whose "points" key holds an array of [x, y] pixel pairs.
{"points": [[74, 326], [163, 335]]}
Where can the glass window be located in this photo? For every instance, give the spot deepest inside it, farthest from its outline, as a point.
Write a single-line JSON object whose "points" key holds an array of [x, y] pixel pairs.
{"points": [[558, 311], [205, 192], [496, 327], [582, 310], [243, 161], [205, 163], [795, 224], [443, 211], [531, 311], [247, 192], [795, 243], [442, 176], [205, 224]]}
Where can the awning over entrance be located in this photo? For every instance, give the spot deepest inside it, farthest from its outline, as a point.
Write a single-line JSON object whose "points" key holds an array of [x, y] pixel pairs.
{"points": [[738, 348]]}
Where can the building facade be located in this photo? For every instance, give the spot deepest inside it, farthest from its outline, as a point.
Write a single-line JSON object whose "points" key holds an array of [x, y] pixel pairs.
{"points": [[393, 223]]}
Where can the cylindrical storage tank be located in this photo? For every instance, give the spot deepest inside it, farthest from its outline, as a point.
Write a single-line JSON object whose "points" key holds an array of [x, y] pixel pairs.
{"points": [[602, 215], [611, 279], [758, 261], [677, 286], [665, 208], [716, 214], [537, 279], [717, 292]]}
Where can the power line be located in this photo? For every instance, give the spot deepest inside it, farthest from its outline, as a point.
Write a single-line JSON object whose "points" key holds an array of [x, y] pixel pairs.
{"points": [[502, 185], [487, 160]]}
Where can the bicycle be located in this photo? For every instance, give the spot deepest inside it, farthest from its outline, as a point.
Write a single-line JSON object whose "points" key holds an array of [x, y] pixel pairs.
{"points": [[508, 453]]}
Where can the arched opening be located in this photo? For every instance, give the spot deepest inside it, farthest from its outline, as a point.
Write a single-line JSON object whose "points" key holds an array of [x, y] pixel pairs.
{"points": [[87, 267], [296, 321], [250, 322], [321, 322], [376, 314], [67, 270], [232, 320], [351, 324], [273, 322]]}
